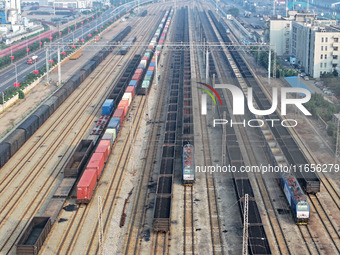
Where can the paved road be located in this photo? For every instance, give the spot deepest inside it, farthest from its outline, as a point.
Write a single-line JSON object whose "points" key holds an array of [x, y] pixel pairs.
{"points": [[8, 75]]}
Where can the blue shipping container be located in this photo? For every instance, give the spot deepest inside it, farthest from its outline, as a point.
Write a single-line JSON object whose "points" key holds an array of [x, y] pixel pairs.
{"points": [[114, 123], [152, 64], [133, 83], [140, 66], [107, 107], [149, 73]]}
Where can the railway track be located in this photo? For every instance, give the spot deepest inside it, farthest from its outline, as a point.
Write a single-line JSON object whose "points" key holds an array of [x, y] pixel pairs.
{"points": [[132, 241], [275, 225], [316, 203], [189, 230], [132, 244], [215, 228], [109, 191], [43, 154], [308, 240], [327, 223], [66, 122]]}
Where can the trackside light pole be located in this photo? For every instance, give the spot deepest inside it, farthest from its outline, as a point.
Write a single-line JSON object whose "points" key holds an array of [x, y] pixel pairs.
{"points": [[59, 68], [156, 68], [47, 67], [245, 226]]}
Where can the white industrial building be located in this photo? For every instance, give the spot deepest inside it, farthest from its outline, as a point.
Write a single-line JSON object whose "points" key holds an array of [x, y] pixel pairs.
{"points": [[314, 43], [75, 4]]}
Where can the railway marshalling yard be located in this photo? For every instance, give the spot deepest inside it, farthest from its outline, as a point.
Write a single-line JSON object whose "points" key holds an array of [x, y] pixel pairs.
{"points": [[142, 177]]}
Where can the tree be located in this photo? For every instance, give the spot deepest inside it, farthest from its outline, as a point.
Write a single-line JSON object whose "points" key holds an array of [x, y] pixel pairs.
{"points": [[234, 11], [21, 94]]}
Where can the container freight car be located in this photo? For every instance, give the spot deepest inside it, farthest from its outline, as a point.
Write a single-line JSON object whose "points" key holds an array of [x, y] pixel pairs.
{"points": [[34, 236], [32, 123], [188, 164], [107, 107], [86, 186], [296, 199]]}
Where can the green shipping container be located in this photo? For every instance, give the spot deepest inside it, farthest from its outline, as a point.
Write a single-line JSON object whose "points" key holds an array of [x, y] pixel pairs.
{"points": [[146, 84]]}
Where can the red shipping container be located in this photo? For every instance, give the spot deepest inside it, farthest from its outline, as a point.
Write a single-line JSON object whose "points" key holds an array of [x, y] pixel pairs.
{"points": [[151, 68], [86, 186], [136, 77], [104, 147], [145, 58], [161, 41], [130, 89], [119, 113], [123, 104], [138, 71], [97, 163]]}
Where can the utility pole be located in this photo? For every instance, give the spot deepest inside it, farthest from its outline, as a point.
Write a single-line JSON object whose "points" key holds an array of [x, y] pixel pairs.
{"points": [[269, 63], [337, 147], [100, 223], [224, 137], [47, 68], [207, 66], [245, 226], [156, 68], [59, 68], [213, 105]]}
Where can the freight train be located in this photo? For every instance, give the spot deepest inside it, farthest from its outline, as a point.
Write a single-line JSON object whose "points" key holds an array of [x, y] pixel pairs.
{"points": [[12, 143], [107, 128], [296, 199], [309, 181], [125, 48], [188, 165]]}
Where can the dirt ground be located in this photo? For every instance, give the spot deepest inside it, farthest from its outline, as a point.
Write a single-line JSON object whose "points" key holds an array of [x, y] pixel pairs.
{"points": [[17, 112]]}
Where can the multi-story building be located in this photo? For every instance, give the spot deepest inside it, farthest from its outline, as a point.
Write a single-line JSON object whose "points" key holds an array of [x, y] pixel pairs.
{"points": [[314, 43]]}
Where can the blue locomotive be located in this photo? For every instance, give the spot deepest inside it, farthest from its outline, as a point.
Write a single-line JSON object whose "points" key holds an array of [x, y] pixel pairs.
{"points": [[188, 164], [296, 198]]}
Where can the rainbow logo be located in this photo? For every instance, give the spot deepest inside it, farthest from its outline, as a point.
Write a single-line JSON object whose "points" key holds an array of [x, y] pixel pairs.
{"points": [[204, 97]]}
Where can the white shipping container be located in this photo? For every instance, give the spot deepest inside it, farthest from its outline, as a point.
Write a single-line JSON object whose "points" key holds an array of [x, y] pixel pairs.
{"points": [[127, 96], [143, 62]]}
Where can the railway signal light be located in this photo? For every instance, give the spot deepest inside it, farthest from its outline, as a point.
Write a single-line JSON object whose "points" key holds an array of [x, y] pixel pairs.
{"points": [[27, 49], [40, 43], [17, 84], [12, 57], [50, 61], [35, 71], [60, 33], [63, 53], [82, 22], [82, 40], [74, 46], [69, 29], [89, 35], [50, 38]]}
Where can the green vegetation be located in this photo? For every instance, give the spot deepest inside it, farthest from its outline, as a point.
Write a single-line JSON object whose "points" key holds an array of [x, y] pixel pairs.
{"points": [[331, 129], [21, 94], [262, 59], [318, 106], [234, 11], [332, 81]]}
